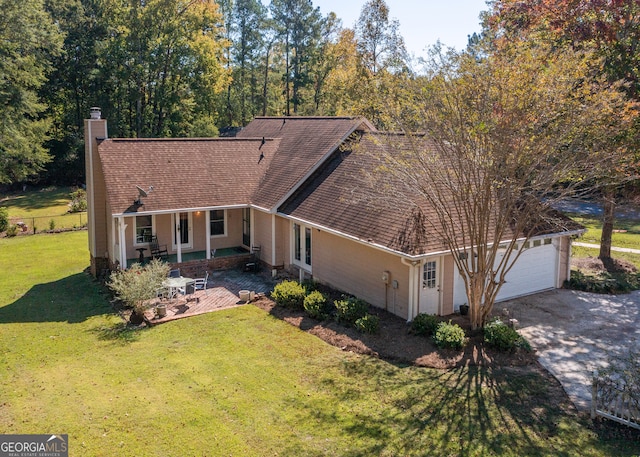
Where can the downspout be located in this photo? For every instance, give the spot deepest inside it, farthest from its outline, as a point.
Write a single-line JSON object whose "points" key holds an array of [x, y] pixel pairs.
{"points": [[412, 286]]}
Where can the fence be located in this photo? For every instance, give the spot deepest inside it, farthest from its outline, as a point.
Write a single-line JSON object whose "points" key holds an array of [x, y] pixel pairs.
{"points": [[43, 223], [615, 404]]}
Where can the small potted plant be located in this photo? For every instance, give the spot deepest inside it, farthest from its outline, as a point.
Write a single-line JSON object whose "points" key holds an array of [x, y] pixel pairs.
{"points": [[464, 309]]}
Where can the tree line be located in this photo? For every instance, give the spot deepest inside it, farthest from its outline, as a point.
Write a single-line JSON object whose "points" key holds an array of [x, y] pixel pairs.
{"points": [[171, 68]]}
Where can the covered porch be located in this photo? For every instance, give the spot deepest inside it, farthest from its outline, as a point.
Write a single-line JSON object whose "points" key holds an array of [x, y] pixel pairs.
{"points": [[216, 238]]}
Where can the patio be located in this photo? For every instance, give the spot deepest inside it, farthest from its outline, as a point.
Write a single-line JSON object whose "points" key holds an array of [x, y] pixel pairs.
{"points": [[223, 291]]}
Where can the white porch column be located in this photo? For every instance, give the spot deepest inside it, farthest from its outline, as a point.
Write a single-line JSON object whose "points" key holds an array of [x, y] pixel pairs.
{"points": [[176, 220], [123, 242], [207, 221]]}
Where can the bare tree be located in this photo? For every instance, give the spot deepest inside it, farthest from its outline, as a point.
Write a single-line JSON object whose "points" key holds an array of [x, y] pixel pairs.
{"points": [[504, 138]]}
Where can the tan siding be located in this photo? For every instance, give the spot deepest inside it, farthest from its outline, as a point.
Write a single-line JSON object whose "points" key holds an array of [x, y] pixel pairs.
{"points": [[199, 231], [283, 233], [447, 285], [357, 269], [262, 234], [565, 258]]}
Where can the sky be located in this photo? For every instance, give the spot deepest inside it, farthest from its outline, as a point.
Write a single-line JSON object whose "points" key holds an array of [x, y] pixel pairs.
{"points": [[422, 22]]}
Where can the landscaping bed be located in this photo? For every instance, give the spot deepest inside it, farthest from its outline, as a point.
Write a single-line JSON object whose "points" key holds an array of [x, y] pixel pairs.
{"points": [[396, 344]]}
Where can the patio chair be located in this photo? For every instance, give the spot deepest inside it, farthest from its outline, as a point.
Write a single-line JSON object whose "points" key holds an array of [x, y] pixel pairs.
{"points": [[158, 250], [174, 273], [254, 262], [201, 283]]}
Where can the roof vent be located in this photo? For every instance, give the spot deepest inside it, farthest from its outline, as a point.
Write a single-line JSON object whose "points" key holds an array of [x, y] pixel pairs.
{"points": [[96, 112]]}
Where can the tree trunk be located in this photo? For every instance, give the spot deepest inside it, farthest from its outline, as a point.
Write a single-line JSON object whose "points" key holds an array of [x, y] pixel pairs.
{"points": [[608, 218]]}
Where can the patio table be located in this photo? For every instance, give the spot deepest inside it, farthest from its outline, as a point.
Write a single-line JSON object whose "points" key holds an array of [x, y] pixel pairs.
{"points": [[175, 284]]}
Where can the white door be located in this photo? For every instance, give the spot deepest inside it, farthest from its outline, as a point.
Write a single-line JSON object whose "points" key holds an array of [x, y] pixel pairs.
{"points": [[430, 287], [182, 230]]}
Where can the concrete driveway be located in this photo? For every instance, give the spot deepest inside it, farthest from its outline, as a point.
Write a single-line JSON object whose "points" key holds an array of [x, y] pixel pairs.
{"points": [[574, 332]]}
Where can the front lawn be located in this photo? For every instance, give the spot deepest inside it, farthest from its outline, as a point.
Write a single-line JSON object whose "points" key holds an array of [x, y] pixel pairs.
{"points": [[241, 382]]}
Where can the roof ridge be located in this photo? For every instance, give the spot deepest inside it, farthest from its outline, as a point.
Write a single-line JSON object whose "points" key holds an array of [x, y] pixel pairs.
{"points": [[185, 140], [302, 118]]}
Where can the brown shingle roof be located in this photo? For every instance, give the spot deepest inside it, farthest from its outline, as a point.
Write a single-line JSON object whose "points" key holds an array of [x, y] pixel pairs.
{"points": [[184, 173], [305, 142], [335, 198]]}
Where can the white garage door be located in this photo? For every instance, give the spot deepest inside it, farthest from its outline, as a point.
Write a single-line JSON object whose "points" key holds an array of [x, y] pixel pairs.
{"points": [[535, 271]]}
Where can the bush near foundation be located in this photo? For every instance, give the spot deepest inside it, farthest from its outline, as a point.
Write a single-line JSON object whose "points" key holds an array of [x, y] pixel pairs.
{"points": [[425, 324], [449, 335], [350, 309], [316, 305], [289, 294]]}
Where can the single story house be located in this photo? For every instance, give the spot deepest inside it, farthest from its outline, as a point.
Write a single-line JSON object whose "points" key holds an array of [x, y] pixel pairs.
{"points": [[282, 185]]}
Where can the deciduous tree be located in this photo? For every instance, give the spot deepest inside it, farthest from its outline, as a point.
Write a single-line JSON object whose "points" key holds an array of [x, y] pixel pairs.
{"points": [[504, 136], [610, 27], [28, 41]]}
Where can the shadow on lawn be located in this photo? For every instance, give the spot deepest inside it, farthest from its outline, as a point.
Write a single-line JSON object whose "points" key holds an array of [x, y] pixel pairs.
{"points": [[72, 299], [462, 411]]}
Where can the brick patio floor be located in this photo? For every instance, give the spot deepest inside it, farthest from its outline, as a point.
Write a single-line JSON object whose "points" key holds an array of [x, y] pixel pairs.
{"points": [[222, 292]]}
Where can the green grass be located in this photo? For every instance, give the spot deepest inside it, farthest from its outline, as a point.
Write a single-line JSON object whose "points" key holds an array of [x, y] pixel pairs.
{"points": [[38, 208], [628, 239], [240, 382]]}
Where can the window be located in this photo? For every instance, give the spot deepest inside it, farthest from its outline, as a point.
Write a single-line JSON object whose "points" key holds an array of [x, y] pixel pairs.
{"points": [[547, 241], [217, 222], [144, 229], [537, 243], [429, 275]]}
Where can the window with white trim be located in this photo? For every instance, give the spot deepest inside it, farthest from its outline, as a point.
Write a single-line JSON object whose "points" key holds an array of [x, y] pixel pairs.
{"points": [[217, 222], [143, 229]]}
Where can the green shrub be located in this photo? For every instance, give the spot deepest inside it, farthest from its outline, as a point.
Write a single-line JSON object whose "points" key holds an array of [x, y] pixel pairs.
{"points": [[78, 201], [449, 335], [499, 335], [315, 304], [12, 231], [289, 294], [52, 224], [138, 284], [368, 324], [4, 219], [350, 309], [424, 324]]}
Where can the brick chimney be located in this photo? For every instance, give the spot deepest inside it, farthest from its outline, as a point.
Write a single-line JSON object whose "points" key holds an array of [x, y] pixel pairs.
{"points": [[95, 131]]}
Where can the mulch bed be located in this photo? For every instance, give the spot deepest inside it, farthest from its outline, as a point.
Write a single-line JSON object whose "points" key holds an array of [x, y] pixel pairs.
{"points": [[396, 344]]}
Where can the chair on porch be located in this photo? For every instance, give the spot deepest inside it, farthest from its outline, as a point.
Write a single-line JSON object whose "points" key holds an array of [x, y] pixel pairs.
{"points": [[158, 250], [174, 273]]}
